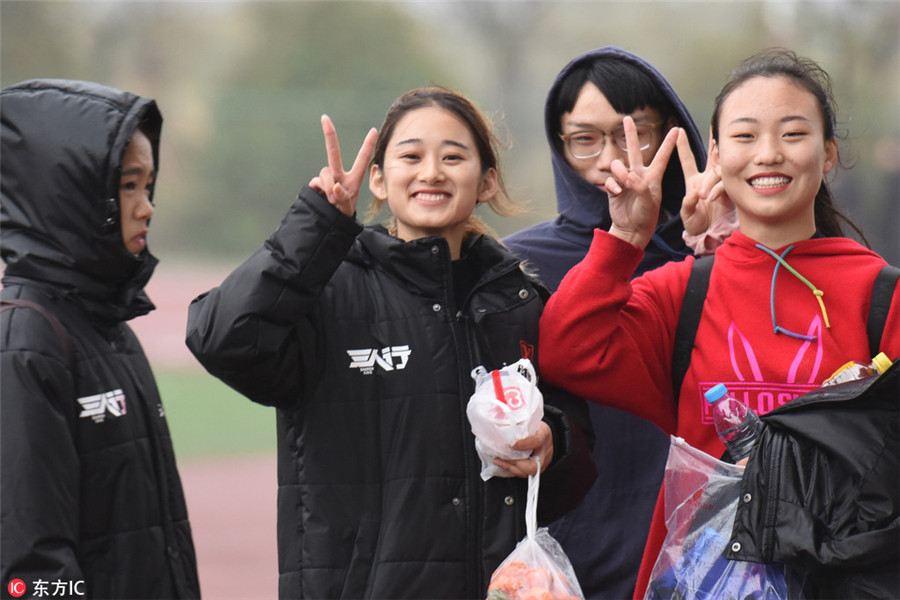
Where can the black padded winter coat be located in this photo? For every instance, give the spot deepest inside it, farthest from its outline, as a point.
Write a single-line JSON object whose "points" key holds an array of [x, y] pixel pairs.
{"points": [[91, 496], [352, 334]]}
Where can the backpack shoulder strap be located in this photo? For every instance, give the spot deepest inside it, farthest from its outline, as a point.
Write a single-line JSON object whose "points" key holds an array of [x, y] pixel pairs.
{"points": [[58, 327], [689, 319], [882, 294]]}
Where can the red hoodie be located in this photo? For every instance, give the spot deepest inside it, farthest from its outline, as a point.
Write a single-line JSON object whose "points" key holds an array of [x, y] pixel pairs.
{"points": [[610, 340]]}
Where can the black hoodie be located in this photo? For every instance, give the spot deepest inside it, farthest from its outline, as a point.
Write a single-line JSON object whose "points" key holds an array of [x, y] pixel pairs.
{"points": [[604, 537], [90, 492]]}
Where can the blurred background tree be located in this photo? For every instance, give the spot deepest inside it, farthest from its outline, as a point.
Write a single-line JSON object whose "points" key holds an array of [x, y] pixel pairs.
{"points": [[242, 84]]}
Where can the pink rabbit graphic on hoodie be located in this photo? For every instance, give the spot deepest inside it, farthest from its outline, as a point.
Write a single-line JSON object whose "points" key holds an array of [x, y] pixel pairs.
{"points": [[748, 385]]}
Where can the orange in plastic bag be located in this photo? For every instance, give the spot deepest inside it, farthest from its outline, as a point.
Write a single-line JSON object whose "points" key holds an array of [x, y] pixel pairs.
{"points": [[538, 568], [517, 581]]}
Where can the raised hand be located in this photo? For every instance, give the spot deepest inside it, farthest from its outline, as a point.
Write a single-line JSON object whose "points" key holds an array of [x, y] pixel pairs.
{"points": [[705, 199], [635, 191], [339, 186]]}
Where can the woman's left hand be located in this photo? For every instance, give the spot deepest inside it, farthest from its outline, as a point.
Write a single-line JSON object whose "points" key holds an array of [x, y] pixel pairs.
{"points": [[705, 200], [541, 445]]}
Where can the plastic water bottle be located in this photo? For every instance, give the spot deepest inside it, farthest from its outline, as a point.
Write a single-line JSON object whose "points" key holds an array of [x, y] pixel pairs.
{"points": [[736, 423], [854, 370]]}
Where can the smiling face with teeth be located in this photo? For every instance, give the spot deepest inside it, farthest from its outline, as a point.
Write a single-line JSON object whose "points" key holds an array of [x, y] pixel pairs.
{"points": [[432, 177], [772, 154]]}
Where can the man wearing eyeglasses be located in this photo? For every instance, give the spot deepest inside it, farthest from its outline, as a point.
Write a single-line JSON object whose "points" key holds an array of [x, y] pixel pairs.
{"points": [[604, 536]]}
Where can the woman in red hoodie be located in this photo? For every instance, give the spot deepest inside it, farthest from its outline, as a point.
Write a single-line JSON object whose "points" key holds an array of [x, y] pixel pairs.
{"points": [[788, 295]]}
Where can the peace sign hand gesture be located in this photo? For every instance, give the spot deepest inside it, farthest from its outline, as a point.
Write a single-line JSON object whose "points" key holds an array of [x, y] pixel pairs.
{"points": [[705, 199], [635, 192], [339, 186]]}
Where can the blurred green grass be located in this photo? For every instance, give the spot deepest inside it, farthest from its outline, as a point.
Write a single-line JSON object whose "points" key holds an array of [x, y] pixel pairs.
{"points": [[208, 419]]}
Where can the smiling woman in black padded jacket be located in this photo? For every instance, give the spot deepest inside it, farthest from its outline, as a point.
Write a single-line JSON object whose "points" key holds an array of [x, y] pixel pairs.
{"points": [[364, 338]]}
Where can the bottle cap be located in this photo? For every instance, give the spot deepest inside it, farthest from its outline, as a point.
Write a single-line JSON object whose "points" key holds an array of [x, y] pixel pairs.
{"points": [[881, 362], [716, 393]]}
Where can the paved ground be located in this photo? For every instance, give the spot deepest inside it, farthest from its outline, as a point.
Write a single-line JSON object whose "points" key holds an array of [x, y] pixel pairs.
{"points": [[231, 504]]}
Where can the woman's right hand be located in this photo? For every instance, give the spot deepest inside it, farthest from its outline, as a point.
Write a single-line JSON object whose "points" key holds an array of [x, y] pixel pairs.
{"points": [[340, 187], [635, 191]]}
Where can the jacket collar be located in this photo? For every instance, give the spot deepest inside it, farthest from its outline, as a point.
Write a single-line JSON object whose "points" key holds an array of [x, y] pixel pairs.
{"points": [[424, 265]]}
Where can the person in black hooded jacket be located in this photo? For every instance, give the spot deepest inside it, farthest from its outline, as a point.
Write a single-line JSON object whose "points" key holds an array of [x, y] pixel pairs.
{"points": [[583, 117], [365, 339], [92, 503]]}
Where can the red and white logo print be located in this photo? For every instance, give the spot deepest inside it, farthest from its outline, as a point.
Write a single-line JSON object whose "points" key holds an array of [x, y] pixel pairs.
{"points": [[513, 397], [16, 588]]}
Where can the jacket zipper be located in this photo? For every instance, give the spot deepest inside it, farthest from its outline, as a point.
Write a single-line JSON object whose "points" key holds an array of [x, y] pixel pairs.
{"points": [[460, 331], [462, 328]]}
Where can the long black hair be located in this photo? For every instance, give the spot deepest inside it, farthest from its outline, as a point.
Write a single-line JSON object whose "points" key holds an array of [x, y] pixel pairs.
{"points": [[807, 74]]}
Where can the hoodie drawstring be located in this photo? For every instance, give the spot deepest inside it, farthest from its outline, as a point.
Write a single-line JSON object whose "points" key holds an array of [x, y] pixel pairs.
{"points": [[816, 292]]}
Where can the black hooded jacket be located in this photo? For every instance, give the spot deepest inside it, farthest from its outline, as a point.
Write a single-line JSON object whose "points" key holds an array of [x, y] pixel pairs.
{"points": [[90, 489], [359, 341], [604, 536], [821, 492]]}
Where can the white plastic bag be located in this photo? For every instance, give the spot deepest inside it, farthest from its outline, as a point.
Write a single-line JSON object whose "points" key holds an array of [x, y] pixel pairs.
{"points": [[507, 406], [538, 568], [701, 497]]}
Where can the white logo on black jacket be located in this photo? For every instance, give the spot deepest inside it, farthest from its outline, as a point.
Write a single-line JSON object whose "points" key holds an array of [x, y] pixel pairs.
{"points": [[390, 358], [97, 406]]}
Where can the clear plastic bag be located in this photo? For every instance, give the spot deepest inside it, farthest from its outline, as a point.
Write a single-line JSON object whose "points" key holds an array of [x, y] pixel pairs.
{"points": [[701, 496], [538, 568], [507, 406]]}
